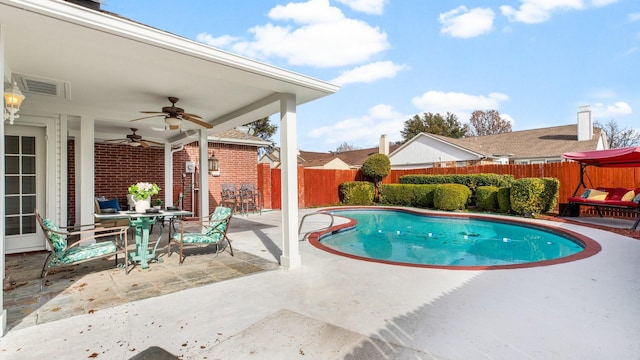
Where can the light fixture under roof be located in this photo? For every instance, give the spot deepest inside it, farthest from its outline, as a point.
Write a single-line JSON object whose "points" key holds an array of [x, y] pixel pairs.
{"points": [[13, 98]]}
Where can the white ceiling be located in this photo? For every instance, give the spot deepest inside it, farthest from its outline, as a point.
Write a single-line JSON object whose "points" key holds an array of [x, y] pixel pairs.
{"points": [[114, 68]]}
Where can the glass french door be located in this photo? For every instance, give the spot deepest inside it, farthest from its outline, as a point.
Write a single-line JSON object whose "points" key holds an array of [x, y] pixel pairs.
{"points": [[24, 187]]}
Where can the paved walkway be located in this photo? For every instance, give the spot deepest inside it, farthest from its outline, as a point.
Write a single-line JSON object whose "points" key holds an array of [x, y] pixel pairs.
{"points": [[338, 308]]}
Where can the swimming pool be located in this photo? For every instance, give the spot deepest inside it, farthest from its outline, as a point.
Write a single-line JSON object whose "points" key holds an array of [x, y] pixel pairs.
{"points": [[400, 236]]}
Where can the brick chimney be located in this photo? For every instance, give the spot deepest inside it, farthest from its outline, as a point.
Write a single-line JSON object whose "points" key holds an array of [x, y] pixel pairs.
{"points": [[585, 123], [384, 145]]}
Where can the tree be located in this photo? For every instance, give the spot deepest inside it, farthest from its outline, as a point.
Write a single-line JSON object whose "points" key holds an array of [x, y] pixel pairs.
{"points": [[345, 147], [434, 124], [376, 167], [263, 129], [619, 137], [488, 123]]}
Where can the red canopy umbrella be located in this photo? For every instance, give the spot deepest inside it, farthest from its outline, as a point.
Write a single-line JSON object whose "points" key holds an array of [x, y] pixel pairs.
{"points": [[623, 157]]}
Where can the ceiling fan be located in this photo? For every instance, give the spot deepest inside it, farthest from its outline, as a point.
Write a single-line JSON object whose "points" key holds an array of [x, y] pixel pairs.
{"points": [[134, 139], [173, 116]]}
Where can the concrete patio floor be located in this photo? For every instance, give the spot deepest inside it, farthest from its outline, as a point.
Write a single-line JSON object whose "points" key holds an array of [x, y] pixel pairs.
{"points": [[338, 308]]}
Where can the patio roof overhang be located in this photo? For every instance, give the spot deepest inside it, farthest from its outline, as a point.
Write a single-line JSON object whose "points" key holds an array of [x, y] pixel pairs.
{"points": [[109, 68]]}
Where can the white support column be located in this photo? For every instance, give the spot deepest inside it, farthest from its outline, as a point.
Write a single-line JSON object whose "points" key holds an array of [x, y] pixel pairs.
{"points": [[168, 175], [3, 314], [290, 258], [85, 172], [203, 146]]}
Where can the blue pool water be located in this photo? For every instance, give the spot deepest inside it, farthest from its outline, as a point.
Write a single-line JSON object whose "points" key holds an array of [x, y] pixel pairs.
{"points": [[401, 237]]}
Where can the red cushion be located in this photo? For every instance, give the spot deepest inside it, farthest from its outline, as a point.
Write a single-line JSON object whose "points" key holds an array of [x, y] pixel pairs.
{"points": [[617, 193]]}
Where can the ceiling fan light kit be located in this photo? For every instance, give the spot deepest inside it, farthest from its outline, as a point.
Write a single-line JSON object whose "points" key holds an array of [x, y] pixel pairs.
{"points": [[173, 121], [134, 139], [173, 116]]}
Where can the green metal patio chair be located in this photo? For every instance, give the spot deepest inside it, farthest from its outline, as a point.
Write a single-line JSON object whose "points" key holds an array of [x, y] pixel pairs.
{"points": [[91, 244], [203, 233]]}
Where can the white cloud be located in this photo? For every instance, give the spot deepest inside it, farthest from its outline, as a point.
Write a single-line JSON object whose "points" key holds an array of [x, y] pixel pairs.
{"points": [[600, 3], [460, 104], [369, 73], [464, 23], [634, 17], [220, 41], [310, 12], [321, 36], [375, 7], [537, 11], [605, 112], [364, 131]]}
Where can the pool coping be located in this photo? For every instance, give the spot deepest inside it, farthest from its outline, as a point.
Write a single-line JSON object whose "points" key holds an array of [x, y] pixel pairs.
{"points": [[591, 247]]}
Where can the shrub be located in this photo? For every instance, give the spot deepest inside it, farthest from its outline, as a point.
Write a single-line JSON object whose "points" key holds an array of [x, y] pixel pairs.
{"points": [[356, 193], [451, 197], [527, 196], [407, 195], [504, 203], [376, 167], [550, 193], [487, 198], [472, 181]]}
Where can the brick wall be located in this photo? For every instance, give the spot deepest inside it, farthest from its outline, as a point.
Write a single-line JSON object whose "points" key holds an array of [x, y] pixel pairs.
{"points": [[119, 166], [237, 165]]}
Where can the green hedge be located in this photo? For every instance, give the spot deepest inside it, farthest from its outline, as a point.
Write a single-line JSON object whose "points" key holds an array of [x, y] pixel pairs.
{"points": [[487, 198], [527, 196], [357, 193], [451, 197], [472, 181], [504, 202], [420, 196], [550, 193]]}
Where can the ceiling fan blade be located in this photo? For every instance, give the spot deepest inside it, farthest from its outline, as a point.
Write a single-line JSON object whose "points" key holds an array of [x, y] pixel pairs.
{"points": [[144, 144], [154, 142], [152, 112], [116, 140], [196, 121], [149, 117], [192, 115]]}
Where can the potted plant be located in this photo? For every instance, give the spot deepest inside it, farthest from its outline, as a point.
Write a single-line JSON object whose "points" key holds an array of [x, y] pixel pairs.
{"points": [[142, 193], [156, 203]]}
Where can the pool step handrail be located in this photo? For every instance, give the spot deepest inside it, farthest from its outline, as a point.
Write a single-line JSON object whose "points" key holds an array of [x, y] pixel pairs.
{"points": [[321, 212]]}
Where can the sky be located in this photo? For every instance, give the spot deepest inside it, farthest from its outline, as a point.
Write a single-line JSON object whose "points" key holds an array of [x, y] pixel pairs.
{"points": [[534, 61]]}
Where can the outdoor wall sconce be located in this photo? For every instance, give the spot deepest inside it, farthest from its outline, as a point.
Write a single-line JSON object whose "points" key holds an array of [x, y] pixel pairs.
{"points": [[214, 165], [13, 98]]}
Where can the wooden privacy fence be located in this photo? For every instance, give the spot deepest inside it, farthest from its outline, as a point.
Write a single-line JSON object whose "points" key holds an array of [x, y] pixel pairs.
{"points": [[319, 187]]}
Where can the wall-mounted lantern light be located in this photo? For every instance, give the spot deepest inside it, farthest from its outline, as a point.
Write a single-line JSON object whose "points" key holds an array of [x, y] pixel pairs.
{"points": [[214, 165], [13, 98]]}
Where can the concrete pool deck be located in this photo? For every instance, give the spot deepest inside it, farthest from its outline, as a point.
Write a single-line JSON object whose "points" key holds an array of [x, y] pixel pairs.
{"points": [[338, 308]]}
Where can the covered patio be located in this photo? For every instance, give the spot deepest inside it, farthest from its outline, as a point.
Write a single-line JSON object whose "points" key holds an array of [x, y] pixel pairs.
{"points": [[86, 73]]}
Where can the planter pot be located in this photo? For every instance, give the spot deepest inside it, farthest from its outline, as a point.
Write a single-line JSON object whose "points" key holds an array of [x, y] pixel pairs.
{"points": [[142, 206]]}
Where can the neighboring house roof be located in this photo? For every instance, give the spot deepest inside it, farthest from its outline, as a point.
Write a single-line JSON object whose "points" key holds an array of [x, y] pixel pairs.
{"points": [[353, 158], [543, 142], [549, 142]]}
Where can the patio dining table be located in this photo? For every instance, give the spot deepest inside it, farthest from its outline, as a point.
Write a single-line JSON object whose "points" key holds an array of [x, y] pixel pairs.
{"points": [[142, 223]]}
